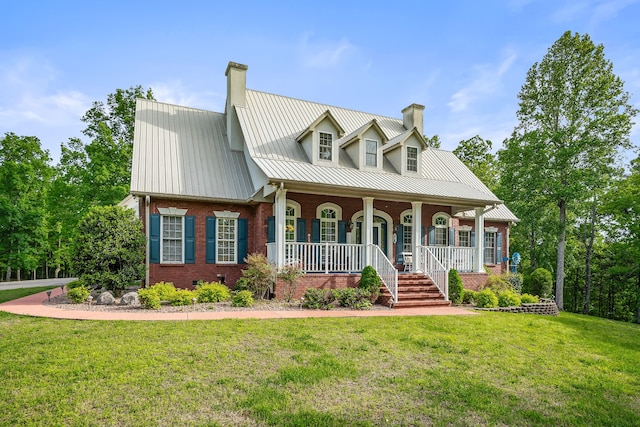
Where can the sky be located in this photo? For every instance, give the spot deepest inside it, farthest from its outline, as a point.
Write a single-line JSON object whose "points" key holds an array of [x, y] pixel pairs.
{"points": [[465, 61]]}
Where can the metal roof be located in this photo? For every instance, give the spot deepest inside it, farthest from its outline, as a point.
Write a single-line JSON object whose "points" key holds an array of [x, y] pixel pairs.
{"points": [[184, 152]]}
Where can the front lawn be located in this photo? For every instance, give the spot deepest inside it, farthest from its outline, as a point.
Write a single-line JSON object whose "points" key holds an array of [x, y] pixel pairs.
{"points": [[489, 369]]}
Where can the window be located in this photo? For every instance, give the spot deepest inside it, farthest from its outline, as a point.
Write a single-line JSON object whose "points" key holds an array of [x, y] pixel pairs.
{"points": [[226, 240], [328, 225], [371, 152], [464, 238], [441, 224], [172, 237], [326, 146], [489, 247], [290, 224], [407, 229], [412, 159]]}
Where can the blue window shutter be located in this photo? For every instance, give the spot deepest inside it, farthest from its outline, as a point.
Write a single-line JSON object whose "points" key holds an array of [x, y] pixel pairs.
{"points": [[452, 236], [301, 230], [211, 240], [154, 239], [499, 248], [473, 239], [243, 237], [315, 230], [432, 235], [189, 239], [422, 235], [271, 229], [399, 236], [342, 231]]}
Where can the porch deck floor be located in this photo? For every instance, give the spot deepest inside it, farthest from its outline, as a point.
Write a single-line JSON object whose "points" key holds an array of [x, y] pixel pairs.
{"points": [[32, 305]]}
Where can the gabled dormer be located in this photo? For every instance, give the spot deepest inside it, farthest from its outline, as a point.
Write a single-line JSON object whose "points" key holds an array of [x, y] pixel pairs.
{"points": [[405, 152], [364, 146], [319, 140]]}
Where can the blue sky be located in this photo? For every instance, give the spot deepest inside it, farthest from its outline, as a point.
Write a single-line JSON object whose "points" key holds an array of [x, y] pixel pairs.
{"points": [[464, 60]]}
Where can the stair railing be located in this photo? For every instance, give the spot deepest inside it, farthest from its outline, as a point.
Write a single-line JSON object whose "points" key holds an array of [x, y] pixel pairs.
{"points": [[385, 269], [436, 271]]}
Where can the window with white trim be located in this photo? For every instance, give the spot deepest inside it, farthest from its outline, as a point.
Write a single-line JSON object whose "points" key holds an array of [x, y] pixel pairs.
{"points": [[441, 224], [407, 229], [328, 225], [290, 224], [464, 238], [371, 152], [325, 146], [489, 247], [412, 159], [226, 237], [172, 239]]}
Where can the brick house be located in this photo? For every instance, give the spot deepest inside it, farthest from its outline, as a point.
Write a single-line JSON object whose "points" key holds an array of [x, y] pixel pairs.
{"points": [[327, 188]]}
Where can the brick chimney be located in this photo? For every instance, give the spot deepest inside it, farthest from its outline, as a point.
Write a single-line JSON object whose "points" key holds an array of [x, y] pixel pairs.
{"points": [[236, 96], [413, 116]]}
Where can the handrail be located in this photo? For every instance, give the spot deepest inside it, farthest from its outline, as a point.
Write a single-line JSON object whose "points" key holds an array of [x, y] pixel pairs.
{"points": [[386, 270], [435, 269]]}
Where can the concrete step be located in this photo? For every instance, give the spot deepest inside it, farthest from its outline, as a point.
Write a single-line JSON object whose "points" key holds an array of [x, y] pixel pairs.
{"points": [[421, 303]]}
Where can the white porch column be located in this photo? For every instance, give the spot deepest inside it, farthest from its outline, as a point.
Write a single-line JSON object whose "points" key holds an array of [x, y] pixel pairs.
{"points": [[480, 240], [280, 214], [416, 211], [367, 224]]}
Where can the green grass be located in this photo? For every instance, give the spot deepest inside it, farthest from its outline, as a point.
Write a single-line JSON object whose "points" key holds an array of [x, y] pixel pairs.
{"points": [[489, 369], [12, 294]]}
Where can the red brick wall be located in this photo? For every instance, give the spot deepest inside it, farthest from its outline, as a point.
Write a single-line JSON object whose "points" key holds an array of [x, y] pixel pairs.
{"points": [[319, 281], [473, 281]]}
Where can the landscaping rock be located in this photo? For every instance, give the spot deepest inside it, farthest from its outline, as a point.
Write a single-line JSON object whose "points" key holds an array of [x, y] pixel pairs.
{"points": [[130, 298], [105, 298]]}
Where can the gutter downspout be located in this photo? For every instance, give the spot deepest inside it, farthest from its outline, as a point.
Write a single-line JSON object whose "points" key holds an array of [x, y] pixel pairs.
{"points": [[147, 229]]}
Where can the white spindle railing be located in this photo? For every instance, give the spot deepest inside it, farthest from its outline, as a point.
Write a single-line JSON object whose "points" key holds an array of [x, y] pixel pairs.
{"points": [[452, 257], [435, 269], [321, 257], [386, 270]]}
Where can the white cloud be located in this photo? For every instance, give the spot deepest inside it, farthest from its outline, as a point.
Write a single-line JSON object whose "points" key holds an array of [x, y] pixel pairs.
{"points": [[324, 54], [486, 80], [608, 10], [175, 92]]}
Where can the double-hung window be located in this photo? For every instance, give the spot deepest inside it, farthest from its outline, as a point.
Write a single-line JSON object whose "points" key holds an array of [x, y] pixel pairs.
{"points": [[464, 238], [441, 229], [172, 239], [371, 152], [328, 225], [325, 146], [227, 240], [407, 229], [412, 159], [489, 247]]}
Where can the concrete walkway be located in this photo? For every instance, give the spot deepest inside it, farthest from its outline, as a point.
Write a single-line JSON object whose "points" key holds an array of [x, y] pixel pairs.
{"points": [[34, 283], [32, 305]]}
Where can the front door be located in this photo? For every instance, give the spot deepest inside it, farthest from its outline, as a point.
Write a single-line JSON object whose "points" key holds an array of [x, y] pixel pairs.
{"points": [[379, 232]]}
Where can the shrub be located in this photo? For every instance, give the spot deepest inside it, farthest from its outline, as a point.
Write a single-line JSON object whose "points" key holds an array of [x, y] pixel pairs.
{"points": [[318, 299], [78, 294], [242, 299], [540, 283], [149, 298], [370, 281], [110, 248], [456, 289], [357, 298], [469, 296], [497, 284], [212, 292], [529, 299], [75, 284], [508, 299], [182, 297], [515, 280], [289, 274], [259, 274], [242, 284], [486, 299], [165, 290]]}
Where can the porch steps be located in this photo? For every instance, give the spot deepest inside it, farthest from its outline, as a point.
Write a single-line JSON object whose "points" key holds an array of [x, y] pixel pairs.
{"points": [[416, 290]]}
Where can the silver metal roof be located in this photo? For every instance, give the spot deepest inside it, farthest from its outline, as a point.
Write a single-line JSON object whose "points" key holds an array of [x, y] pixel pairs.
{"points": [[181, 151]]}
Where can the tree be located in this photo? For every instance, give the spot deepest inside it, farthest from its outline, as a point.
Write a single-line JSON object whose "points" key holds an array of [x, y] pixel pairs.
{"points": [[574, 116], [110, 248], [433, 142], [475, 152], [25, 174]]}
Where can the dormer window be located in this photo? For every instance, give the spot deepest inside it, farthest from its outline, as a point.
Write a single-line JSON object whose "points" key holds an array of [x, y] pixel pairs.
{"points": [[325, 146], [412, 159], [371, 154]]}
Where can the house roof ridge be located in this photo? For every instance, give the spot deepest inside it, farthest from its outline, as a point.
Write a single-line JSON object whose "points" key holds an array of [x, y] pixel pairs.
{"points": [[181, 106]]}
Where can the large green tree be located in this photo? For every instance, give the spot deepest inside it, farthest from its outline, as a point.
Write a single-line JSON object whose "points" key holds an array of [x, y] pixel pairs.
{"points": [[574, 117], [475, 152], [25, 174]]}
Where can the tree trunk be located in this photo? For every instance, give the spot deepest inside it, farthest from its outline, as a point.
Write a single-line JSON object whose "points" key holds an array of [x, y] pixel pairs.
{"points": [[589, 254], [561, 247]]}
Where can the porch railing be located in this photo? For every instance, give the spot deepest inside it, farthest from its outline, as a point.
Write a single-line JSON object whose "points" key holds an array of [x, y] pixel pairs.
{"points": [[435, 269], [321, 257], [454, 257], [386, 270]]}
